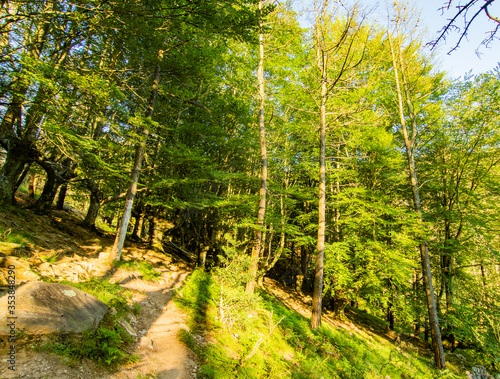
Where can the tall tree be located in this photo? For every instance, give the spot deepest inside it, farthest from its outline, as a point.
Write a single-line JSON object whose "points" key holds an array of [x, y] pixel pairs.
{"points": [[263, 165], [335, 56], [115, 254], [406, 112]]}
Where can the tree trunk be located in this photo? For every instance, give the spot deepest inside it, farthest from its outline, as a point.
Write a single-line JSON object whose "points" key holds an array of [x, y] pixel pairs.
{"points": [[263, 175], [62, 197], [416, 326], [94, 204], [151, 229], [116, 252], [446, 262], [137, 226], [437, 345], [15, 160], [318, 276], [31, 185], [57, 174]]}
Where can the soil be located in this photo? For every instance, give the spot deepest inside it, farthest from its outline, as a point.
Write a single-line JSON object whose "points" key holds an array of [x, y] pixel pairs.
{"points": [[62, 249]]}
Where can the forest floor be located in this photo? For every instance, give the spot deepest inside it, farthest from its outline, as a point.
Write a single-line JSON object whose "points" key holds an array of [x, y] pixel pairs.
{"points": [[55, 247]]}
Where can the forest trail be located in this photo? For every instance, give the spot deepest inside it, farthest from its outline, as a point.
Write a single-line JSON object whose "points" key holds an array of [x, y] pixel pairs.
{"points": [[159, 323], [76, 255], [161, 353]]}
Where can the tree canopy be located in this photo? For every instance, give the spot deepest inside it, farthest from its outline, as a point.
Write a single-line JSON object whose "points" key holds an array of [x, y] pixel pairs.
{"points": [[374, 162]]}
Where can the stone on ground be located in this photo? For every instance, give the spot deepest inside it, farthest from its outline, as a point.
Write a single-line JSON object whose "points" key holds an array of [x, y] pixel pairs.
{"points": [[47, 308]]}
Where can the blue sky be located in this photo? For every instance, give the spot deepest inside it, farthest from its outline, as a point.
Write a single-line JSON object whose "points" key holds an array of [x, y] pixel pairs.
{"points": [[463, 59]]}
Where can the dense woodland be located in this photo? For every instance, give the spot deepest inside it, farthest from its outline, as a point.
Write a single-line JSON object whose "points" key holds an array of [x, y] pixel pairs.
{"points": [[335, 158]]}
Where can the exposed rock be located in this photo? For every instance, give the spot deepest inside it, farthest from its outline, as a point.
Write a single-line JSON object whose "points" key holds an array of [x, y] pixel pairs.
{"points": [[46, 308], [125, 325], [22, 268], [146, 343]]}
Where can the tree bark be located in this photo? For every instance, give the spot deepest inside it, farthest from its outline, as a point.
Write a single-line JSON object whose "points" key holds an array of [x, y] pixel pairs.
{"points": [[62, 196], [116, 252], [437, 345], [94, 204], [57, 174], [263, 175], [15, 160], [319, 270], [31, 185]]}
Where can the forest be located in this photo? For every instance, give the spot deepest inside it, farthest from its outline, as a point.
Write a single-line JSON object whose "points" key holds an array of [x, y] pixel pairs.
{"points": [[336, 159]]}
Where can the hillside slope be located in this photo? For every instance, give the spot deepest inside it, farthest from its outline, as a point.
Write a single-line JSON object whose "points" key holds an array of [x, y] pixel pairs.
{"points": [[228, 335], [56, 248]]}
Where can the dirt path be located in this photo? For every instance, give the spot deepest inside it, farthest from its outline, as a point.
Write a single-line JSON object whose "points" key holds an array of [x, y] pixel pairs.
{"points": [[157, 327]]}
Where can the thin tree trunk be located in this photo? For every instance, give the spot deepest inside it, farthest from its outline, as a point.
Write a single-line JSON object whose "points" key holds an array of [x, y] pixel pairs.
{"points": [[116, 252], [319, 270], [94, 204], [137, 224], [62, 196], [416, 326], [31, 185], [437, 345], [263, 176]]}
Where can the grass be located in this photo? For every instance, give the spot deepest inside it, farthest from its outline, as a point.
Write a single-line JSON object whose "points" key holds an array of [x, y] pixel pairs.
{"points": [[111, 294], [16, 237], [146, 269], [268, 340], [106, 345]]}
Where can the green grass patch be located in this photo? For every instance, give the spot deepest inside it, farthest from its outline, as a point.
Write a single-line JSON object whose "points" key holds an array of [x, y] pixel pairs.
{"points": [[259, 337], [146, 269], [16, 237], [107, 345]]}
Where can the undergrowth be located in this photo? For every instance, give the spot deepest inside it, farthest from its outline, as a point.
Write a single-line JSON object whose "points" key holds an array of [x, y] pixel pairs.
{"points": [[146, 269], [261, 338], [17, 237], [107, 344]]}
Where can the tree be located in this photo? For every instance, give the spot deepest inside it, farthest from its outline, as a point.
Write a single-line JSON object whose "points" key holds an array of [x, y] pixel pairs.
{"points": [[330, 48], [406, 110], [469, 12], [263, 152]]}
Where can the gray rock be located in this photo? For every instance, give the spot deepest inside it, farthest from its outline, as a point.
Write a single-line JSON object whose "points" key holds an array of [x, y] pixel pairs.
{"points": [[125, 325], [146, 343], [46, 308]]}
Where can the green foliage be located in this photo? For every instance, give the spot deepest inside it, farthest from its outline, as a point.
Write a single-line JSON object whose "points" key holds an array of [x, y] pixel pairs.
{"points": [[17, 237], [146, 269], [104, 346], [284, 344], [111, 294]]}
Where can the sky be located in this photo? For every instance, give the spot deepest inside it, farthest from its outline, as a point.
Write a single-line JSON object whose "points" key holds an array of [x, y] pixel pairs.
{"points": [[470, 55]]}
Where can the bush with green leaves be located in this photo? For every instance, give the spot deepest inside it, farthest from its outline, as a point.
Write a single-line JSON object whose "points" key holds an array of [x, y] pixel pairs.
{"points": [[104, 345]]}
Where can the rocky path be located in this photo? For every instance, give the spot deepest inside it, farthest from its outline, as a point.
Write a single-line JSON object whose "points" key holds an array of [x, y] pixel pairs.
{"points": [[157, 326]]}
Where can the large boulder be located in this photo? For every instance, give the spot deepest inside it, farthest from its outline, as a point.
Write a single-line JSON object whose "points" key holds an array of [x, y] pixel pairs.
{"points": [[47, 308]]}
